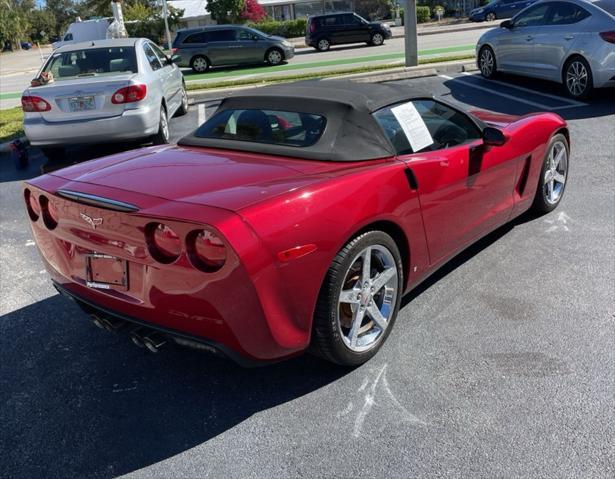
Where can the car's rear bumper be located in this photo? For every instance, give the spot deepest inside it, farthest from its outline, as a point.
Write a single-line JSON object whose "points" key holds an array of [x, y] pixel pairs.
{"points": [[131, 124], [226, 309]]}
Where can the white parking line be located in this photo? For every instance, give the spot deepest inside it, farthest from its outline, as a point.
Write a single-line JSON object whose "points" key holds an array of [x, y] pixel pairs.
{"points": [[529, 90], [512, 97], [445, 77], [201, 114]]}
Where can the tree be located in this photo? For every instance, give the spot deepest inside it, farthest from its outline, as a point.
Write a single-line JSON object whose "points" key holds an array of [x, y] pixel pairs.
{"points": [[64, 12], [253, 12], [14, 23], [42, 25], [149, 21], [226, 11]]}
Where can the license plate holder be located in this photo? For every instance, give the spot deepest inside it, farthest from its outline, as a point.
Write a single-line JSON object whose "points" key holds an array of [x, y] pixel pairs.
{"points": [[104, 272], [81, 103]]}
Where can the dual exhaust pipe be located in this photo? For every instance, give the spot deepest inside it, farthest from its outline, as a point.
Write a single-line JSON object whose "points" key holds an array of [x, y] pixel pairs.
{"points": [[140, 336]]}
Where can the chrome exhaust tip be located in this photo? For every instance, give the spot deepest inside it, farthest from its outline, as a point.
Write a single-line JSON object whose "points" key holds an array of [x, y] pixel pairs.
{"points": [[113, 324], [98, 321], [153, 341], [137, 338]]}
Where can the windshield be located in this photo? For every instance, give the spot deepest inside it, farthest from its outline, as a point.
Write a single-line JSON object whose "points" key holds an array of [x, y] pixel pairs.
{"points": [[92, 62], [287, 128]]}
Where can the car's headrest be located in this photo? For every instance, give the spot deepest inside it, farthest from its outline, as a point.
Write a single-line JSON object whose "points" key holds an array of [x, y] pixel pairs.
{"points": [[68, 71], [119, 65]]}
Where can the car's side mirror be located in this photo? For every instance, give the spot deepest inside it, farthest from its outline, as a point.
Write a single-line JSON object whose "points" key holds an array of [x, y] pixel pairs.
{"points": [[175, 59], [494, 136], [507, 24]]}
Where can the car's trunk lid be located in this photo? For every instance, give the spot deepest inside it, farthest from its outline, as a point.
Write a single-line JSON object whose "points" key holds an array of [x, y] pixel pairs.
{"points": [[220, 178], [82, 98]]}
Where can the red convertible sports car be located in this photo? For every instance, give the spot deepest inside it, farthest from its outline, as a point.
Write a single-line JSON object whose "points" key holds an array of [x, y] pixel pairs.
{"points": [[295, 218]]}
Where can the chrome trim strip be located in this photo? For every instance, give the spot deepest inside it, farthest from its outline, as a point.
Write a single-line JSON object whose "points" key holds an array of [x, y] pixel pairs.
{"points": [[98, 201]]}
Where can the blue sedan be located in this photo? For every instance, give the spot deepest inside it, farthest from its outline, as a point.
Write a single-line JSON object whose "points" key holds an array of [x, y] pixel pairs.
{"points": [[499, 9]]}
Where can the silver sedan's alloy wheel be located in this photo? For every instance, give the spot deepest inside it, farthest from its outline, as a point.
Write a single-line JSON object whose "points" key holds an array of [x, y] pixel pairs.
{"points": [[274, 57], [486, 62], [577, 78], [556, 172], [200, 64], [164, 124], [367, 301], [323, 45], [377, 39]]}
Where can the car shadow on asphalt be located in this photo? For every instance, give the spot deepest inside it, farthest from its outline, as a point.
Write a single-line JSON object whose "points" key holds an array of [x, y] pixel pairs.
{"points": [[600, 103], [81, 402]]}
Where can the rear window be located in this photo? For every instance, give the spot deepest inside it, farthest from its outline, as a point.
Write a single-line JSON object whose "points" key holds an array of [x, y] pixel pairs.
{"points": [[92, 62], [201, 37], [275, 127]]}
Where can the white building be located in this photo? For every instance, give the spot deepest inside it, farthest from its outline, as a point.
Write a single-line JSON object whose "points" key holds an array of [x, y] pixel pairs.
{"points": [[195, 12]]}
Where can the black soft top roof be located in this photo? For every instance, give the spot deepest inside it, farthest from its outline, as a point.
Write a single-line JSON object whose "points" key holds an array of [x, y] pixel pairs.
{"points": [[351, 133]]}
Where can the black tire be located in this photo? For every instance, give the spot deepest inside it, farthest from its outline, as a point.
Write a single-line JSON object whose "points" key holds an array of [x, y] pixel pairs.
{"points": [[327, 336], [183, 108], [490, 17], [376, 39], [274, 56], [163, 135], [54, 153], [583, 86], [323, 44], [199, 64], [542, 202], [487, 63]]}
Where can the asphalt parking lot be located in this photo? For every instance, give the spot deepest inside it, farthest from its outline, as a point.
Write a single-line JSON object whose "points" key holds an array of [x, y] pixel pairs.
{"points": [[501, 365]]}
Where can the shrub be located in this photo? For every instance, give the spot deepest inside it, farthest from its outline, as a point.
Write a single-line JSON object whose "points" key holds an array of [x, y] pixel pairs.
{"points": [[423, 14], [253, 12], [287, 28]]}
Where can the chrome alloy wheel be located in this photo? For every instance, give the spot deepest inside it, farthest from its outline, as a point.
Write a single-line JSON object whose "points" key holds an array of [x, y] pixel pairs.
{"points": [[486, 62], [377, 39], [367, 301], [200, 64], [274, 57], [555, 173], [323, 45], [576, 78], [164, 124]]}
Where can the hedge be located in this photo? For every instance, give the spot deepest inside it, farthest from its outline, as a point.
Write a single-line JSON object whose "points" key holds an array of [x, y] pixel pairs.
{"points": [[287, 28], [423, 14]]}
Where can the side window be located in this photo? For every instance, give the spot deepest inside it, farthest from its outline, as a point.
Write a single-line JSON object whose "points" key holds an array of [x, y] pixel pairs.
{"points": [[532, 17], [201, 37], [68, 37], [350, 19], [151, 57], [331, 21], [159, 53], [566, 14], [245, 35], [222, 36], [447, 127]]}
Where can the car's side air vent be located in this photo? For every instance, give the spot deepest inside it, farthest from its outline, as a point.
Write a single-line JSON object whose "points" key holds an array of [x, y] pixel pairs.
{"points": [[98, 201]]}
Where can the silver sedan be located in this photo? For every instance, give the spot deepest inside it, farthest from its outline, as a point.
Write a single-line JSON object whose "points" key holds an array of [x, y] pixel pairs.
{"points": [[101, 91], [568, 41]]}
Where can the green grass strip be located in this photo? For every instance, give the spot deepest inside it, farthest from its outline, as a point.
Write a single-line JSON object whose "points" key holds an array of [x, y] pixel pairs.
{"points": [[7, 96], [11, 123], [190, 76], [312, 75]]}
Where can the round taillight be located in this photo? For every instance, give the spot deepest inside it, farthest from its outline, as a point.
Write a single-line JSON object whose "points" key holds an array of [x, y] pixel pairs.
{"points": [[50, 213], [164, 244], [207, 250], [118, 98], [34, 209]]}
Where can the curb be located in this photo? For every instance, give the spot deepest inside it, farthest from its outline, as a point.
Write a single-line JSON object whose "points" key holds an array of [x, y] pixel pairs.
{"points": [[396, 73]]}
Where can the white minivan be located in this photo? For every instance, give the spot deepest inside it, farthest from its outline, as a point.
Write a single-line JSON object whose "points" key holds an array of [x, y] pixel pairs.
{"points": [[83, 31]]}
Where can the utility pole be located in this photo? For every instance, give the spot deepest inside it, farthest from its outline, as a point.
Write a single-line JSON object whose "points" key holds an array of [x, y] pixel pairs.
{"points": [[410, 38], [165, 14]]}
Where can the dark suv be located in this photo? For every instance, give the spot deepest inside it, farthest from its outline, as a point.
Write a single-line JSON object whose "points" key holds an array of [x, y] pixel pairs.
{"points": [[202, 47], [322, 31]]}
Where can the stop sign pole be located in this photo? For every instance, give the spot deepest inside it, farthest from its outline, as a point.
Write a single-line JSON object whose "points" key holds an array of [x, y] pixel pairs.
{"points": [[410, 37]]}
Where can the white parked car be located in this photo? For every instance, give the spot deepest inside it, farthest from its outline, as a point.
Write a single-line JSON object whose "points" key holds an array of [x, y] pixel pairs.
{"points": [[102, 91]]}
